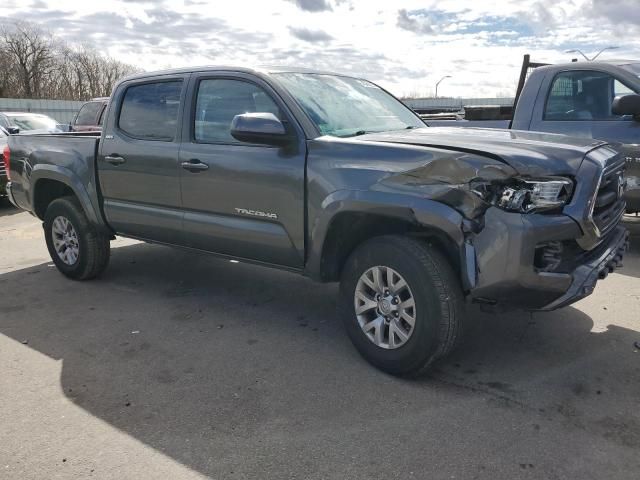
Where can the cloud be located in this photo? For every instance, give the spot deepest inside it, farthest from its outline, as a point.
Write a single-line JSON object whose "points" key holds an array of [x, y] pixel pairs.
{"points": [[405, 46], [414, 23], [618, 12], [312, 36], [313, 5]]}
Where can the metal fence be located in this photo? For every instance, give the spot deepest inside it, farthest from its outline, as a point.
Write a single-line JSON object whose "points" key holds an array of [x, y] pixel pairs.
{"points": [[64, 110], [454, 103], [61, 110]]}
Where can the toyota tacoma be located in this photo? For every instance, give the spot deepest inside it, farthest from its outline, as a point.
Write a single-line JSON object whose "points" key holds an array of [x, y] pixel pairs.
{"points": [[332, 177]]}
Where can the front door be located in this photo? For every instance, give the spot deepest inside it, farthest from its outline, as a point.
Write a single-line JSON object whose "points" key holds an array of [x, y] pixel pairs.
{"points": [[138, 160], [240, 199]]}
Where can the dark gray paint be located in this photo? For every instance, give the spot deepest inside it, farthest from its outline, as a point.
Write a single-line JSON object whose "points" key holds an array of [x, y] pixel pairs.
{"points": [[141, 194], [276, 205]]}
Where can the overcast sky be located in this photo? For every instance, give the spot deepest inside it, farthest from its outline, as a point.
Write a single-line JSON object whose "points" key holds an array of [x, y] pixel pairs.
{"points": [[405, 46]]}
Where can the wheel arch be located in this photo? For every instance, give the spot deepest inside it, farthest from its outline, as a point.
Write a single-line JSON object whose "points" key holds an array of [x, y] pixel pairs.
{"points": [[51, 182], [346, 223]]}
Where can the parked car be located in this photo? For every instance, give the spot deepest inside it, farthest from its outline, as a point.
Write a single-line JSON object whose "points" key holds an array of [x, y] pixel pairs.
{"points": [[16, 122], [90, 116], [4, 135], [597, 100], [331, 177]]}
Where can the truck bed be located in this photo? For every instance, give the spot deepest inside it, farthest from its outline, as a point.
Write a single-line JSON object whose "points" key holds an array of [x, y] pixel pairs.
{"points": [[69, 157]]}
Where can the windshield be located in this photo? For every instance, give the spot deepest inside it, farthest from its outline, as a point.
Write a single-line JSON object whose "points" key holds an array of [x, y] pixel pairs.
{"points": [[32, 122], [344, 106]]}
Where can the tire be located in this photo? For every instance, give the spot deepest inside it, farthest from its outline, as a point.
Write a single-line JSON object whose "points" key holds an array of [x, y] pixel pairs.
{"points": [[93, 248], [438, 304]]}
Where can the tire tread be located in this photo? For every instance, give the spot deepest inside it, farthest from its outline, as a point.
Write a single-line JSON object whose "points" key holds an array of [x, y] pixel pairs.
{"points": [[447, 286], [98, 249]]}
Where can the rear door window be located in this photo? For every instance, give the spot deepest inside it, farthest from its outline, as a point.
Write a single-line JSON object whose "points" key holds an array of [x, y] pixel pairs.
{"points": [[149, 111], [88, 113]]}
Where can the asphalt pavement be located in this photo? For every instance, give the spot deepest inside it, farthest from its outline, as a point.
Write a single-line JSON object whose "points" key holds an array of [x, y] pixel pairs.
{"points": [[174, 365]]}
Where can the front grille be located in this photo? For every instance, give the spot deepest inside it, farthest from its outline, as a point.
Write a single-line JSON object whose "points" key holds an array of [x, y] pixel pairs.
{"points": [[609, 203], [3, 172]]}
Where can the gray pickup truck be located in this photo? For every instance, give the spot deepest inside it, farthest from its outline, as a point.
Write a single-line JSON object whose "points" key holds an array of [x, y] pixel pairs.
{"points": [[581, 99], [332, 177]]}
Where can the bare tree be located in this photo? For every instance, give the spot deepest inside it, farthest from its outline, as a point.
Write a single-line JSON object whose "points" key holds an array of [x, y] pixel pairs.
{"points": [[37, 65], [32, 54]]}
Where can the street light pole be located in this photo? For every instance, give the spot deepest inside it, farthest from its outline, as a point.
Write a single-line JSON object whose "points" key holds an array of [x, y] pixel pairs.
{"points": [[578, 51], [593, 58], [438, 83], [604, 49]]}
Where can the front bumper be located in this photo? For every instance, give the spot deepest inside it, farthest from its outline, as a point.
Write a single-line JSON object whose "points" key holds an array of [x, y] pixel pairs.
{"points": [[586, 275], [506, 256]]}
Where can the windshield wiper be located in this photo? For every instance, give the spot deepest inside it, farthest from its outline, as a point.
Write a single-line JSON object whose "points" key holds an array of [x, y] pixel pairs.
{"points": [[356, 134], [364, 132]]}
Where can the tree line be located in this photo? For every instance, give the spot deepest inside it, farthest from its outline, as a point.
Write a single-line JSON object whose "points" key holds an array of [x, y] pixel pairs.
{"points": [[36, 64]]}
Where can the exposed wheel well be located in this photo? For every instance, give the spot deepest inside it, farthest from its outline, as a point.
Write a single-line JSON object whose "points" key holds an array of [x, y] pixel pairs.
{"points": [[45, 192], [348, 230]]}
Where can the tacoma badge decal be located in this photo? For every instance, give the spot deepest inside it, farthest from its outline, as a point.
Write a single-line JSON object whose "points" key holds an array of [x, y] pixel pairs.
{"points": [[256, 213]]}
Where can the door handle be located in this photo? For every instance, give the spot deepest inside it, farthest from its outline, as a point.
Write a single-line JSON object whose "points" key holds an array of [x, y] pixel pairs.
{"points": [[194, 165], [114, 159]]}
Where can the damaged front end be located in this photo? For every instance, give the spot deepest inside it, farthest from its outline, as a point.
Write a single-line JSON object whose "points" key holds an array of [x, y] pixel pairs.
{"points": [[472, 184], [527, 243]]}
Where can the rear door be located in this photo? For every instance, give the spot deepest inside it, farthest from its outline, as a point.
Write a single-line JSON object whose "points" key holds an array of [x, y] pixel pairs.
{"points": [[241, 199], [138, 159]]}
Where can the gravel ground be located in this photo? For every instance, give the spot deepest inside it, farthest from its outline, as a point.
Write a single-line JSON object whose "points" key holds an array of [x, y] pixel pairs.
{"points": [[174, 365]]}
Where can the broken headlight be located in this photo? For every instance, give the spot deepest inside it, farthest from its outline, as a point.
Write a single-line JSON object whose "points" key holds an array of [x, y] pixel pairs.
{"points": [[528, 195]]}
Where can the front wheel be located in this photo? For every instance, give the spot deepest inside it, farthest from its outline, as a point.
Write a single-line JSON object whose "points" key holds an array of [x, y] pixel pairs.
{"points": [[401, 303], [78, 250]]}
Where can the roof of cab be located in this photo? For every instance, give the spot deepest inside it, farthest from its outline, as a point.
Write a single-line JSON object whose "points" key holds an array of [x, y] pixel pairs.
{"points": [[262, 70]]}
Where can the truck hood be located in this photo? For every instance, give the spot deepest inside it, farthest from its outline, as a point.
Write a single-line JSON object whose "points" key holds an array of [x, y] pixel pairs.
{"points": [[529, 153]]}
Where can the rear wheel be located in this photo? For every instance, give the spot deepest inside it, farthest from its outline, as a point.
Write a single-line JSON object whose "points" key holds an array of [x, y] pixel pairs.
{"points": [[76, 247], [401, 303]]}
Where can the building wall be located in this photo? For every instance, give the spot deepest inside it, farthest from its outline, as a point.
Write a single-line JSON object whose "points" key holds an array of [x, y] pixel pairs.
{"points": [[61, 110]]}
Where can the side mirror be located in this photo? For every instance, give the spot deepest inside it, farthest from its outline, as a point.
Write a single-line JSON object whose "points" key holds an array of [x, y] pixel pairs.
{"points": [[13, 130], [626, 105], [259, 127]]}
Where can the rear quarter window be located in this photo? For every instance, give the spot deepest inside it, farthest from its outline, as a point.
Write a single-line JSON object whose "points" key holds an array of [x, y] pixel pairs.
{"points": [[149, 111]]}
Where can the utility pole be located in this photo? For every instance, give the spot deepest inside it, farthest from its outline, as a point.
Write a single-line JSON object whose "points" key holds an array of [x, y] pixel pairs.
{"points": [[438, 83]]}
